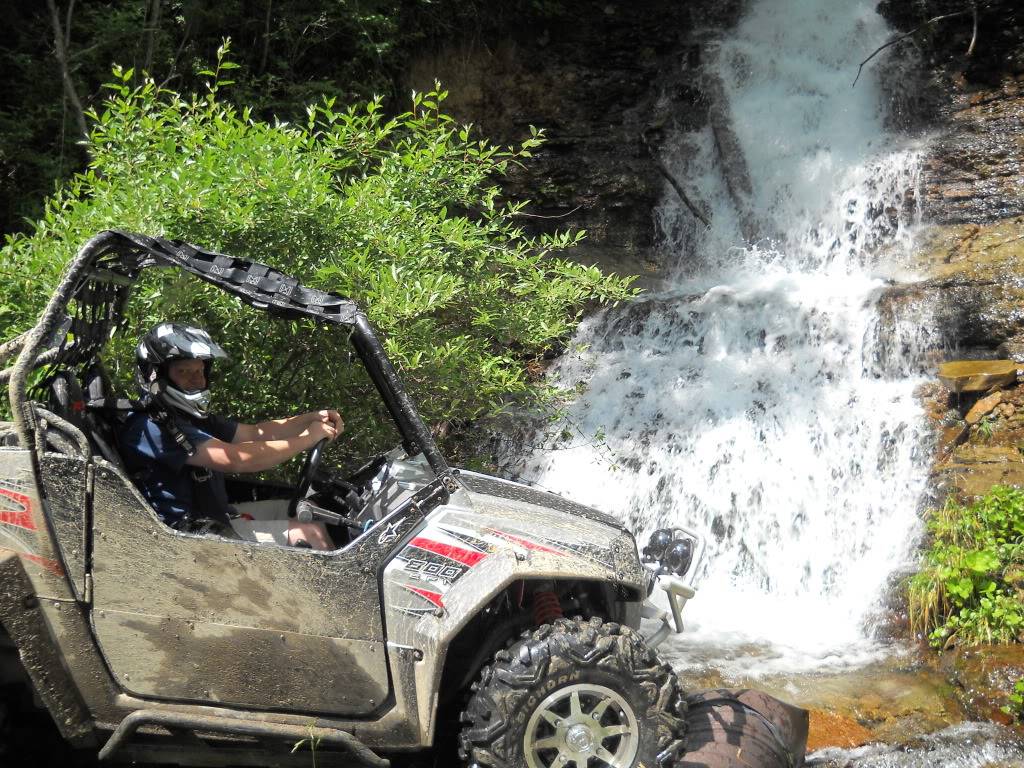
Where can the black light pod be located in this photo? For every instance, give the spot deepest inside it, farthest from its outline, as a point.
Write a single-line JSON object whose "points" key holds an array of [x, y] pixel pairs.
{"points": [[657, 545], [679, 556]]}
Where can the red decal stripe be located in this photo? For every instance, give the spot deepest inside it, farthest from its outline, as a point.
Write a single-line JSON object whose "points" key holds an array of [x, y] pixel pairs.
{"points": [[426, 594], [458, 554], [51, 565], [526, 543], [21, 518], [18, 520]]}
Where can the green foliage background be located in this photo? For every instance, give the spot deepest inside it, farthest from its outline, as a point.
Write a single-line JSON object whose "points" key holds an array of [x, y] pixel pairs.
{"points": [[401, 213], [970, 589]]}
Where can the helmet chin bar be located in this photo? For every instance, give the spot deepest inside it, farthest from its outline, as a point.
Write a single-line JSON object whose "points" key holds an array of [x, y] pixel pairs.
{"points": [[195, 403]]}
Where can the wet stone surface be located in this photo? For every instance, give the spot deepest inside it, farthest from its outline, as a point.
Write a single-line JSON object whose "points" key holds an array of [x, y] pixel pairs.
{"points": [[892, 701], [966, 745], [977, 375], [984, 677], [902, 712], [980, 440]]}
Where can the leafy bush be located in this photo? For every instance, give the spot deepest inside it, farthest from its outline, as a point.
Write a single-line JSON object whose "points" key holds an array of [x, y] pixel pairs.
{"points": [[969, 590], [402, 214]]}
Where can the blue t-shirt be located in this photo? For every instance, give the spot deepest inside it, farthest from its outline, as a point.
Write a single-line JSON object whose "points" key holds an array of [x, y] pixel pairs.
{"points": [[158, 465]]}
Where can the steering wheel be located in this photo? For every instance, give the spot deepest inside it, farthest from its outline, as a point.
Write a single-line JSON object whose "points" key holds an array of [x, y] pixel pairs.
{"points": [[309, 467]]}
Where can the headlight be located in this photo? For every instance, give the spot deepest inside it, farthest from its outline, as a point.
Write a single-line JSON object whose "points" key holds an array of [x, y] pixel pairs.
{"points": [[679, 556], [671, 549], [658, 544]]}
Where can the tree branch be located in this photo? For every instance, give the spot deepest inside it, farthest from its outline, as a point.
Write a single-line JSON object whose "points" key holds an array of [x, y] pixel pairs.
{"points": [[67, 25], [557, 216], [173, 72], [974, 34], [904, 36], [60, 52], [664, 171]]}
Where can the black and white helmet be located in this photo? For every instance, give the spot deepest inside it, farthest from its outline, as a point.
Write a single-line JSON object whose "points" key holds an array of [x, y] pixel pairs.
{"points": [[168, 342]]}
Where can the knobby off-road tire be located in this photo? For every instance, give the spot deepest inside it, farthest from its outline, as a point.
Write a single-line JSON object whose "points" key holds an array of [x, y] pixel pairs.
{"points": [[571, 694]]}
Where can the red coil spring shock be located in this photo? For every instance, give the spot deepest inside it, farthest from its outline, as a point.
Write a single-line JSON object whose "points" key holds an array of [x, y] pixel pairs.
{"points": [[546, 607]]}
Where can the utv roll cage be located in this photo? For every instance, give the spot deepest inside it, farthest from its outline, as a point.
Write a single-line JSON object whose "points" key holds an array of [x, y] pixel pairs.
{"points": [[99, 281]]}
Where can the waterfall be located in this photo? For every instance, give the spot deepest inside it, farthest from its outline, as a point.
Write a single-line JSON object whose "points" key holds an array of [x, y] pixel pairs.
{"points": [[758, 398]]}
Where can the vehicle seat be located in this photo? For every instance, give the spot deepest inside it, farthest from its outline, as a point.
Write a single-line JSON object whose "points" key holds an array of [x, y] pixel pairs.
{"points": [[89, 409]]}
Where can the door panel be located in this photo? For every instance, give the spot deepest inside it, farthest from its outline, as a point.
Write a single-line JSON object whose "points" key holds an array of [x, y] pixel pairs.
{"points": [[177, 614], [153, 655]]}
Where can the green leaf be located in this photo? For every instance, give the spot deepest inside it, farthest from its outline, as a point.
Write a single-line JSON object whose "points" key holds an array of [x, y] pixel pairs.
{"points": [[961, 588], [981, 561]]}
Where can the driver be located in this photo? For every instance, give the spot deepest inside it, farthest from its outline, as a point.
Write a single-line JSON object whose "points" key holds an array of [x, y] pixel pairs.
{"points": [[177, 452]]}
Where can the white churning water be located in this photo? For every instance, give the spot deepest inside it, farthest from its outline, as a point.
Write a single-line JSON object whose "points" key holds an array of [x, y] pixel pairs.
{"points": [[759, 399]]}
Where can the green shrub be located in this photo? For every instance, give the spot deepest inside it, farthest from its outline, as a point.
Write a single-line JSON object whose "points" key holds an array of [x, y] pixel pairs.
{"points": [[1015, 707], [402, 214], [969, 588]]}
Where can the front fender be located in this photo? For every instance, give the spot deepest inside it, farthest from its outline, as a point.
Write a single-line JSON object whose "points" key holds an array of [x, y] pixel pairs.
{"points": [[469, 551]]}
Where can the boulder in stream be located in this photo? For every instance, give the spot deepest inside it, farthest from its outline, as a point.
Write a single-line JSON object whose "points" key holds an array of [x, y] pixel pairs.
{"points": [[977, 375], [734, 728]]}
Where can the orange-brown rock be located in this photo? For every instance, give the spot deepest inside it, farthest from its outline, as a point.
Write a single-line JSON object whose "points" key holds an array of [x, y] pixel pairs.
{"points": [[985, 450], [829, 729], [971, 470], [983, 407]]}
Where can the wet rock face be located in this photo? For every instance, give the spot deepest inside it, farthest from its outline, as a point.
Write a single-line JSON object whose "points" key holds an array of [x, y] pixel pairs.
{"points": [[984, 678], [598, 79], [974, 175], [971, 258], [973, 281]]}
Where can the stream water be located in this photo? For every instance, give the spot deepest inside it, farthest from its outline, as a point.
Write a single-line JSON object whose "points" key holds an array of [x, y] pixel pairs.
{"points": [[759, 398]]}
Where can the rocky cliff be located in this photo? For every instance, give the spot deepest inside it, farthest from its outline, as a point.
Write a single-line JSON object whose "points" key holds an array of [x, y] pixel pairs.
{"points": [[607, 82], [970, 256]]}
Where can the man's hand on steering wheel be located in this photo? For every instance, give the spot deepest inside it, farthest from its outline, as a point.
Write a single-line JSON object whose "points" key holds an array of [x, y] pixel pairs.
{"points": [[323, 432], [328, 416]]}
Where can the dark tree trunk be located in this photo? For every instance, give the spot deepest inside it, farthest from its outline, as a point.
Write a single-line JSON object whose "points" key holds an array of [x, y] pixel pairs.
{"points": [[152, 28], [60, 36]]}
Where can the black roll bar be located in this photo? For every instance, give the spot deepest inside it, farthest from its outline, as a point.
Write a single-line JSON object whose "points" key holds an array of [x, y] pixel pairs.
{"points": [[415, 435]]}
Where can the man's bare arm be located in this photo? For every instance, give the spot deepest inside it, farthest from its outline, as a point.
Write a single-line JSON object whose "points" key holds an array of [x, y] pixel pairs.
{"points": [[257, 455], [292, 426]]}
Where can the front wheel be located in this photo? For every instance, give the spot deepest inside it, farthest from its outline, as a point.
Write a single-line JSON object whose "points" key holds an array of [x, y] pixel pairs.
{"points": [[575, 694]]}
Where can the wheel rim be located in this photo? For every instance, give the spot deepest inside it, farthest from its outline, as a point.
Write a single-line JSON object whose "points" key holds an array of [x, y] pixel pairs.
{"points": [[582, 726]]}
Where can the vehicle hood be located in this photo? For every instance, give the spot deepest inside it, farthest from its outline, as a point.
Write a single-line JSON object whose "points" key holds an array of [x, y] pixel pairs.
{"points": [[481, 486], [546, 523]]}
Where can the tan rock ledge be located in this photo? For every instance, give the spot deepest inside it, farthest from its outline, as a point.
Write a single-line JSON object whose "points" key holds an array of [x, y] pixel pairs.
{"points": [[977, 375]]}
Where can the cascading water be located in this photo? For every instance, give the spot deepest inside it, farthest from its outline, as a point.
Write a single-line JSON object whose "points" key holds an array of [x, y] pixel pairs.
{"points": [[759, 400]]}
